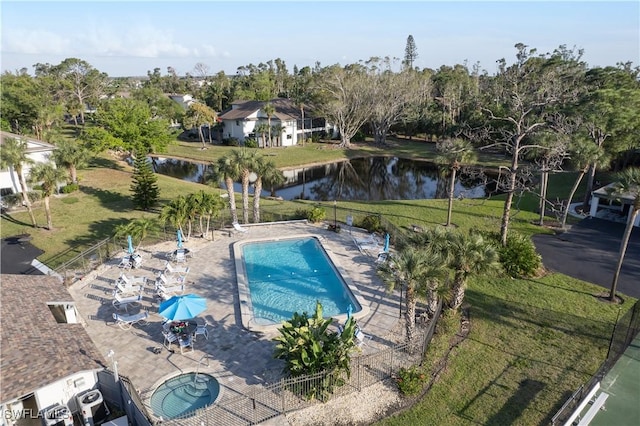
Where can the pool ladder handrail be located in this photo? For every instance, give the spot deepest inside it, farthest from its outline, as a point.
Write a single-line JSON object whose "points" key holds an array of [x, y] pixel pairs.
{"points": [[200, 362]]}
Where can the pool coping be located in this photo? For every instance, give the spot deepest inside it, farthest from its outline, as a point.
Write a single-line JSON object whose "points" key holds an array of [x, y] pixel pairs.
{"points": [[246, 307]]}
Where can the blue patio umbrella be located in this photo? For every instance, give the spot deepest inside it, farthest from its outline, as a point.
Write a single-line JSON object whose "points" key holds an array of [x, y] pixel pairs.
{"points": [[386, 243], [179, 239], [349, 311], [130, 250], [180, 308]]}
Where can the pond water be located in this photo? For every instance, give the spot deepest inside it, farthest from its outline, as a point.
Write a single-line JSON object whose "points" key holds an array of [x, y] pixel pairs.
{"points": [[362, 179]]}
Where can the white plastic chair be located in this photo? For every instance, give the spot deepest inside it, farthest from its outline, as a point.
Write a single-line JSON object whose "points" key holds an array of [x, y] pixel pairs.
{"points": [[125, 322], [180, 271], [361, 337], [201, 330], [169, 338], [186, 343], [181, 256]]}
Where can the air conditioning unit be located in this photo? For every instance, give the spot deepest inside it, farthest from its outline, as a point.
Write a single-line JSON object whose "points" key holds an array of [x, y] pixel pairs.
{"points": [[58, 415], [93, 410]]}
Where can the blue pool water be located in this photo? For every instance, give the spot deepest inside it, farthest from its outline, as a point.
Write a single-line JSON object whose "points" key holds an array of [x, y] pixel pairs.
{"points": [[288, 276], [184, 394]]}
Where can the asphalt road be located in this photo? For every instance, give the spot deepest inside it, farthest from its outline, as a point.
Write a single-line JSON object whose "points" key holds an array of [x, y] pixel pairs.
{"points": [[589, 251]]}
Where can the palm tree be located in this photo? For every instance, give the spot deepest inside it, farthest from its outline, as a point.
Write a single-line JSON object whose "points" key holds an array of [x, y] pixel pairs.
{"points": [[14, 155], [453, 153], [206, 205], [225, 169], [467, 255], [262, 129], [583, 155], [411, 269], [278, 129], [139, 229], [269, 110], [48, 176], [627, 185], [175, 212], [245, 161], [70, 155], [266, 172]]}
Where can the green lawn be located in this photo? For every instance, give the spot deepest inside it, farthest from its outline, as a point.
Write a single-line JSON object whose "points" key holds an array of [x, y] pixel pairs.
{"points": [[532, 342]]}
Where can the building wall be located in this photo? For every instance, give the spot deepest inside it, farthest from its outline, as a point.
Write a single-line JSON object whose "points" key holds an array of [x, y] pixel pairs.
{"points": [[9, 178], [64, 391]]}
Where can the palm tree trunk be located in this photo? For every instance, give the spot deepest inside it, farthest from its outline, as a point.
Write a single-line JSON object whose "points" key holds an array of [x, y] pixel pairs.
{"points": [[256, 200], [623, 248], [25, 195], [452, 185], [47, 210], [232, 199], [457, 292], [302, 112], [432, 301], [73, 171], [206, 232], [245, 197], [201, 137], [410, 315], [565, 213]]}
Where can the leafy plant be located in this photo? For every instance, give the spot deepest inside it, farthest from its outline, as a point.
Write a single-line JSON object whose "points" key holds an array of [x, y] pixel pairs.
{"points": [[307, 346], [250, 143], [410, 380], [72, 187], [316, 215], [371, 223]]}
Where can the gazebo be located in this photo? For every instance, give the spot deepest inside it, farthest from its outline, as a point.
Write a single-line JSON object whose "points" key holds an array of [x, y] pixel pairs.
{"points": [[622, 211]]}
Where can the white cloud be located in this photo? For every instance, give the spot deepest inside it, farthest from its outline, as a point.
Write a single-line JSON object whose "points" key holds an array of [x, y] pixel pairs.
{"points": [[34, 42]]}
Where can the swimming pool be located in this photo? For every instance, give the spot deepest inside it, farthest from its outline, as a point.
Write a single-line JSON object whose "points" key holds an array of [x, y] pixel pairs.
{"points": [[184, 394], [278, 277]]}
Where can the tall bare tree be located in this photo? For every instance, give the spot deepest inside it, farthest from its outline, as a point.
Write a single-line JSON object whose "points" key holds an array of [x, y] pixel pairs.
{"points": [[344, 99], [518, 107]]}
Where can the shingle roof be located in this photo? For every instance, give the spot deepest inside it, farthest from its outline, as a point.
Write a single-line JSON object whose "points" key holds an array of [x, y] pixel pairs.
{"points": [[37, 350], [285, 109], [39, 145]]}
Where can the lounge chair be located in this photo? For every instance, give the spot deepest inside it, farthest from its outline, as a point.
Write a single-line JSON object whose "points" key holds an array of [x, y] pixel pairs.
{"points": [[239, 228], [361, 337], [124, 289], [368, 244], [180, 271], [131, 261], [169, 280], [167, 292], [125, 322], [130, 281], [124, 301]]}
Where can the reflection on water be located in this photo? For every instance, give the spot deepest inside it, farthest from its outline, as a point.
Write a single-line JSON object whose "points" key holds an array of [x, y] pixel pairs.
{"points": [[364, 179]]}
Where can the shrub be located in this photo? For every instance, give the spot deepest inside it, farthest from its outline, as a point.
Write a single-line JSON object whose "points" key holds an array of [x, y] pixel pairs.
{"points": [[371, 223], [410, 380], [250, 143], [316, 215], [15, 200], [72, 187], [231, 142], [519, 257]]}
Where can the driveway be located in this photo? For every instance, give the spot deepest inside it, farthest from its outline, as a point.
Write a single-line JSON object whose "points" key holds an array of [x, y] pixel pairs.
{"points": [[589, 252]]}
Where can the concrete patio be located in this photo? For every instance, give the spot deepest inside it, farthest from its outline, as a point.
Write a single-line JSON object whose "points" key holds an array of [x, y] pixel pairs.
{"points": [[239, 359]]}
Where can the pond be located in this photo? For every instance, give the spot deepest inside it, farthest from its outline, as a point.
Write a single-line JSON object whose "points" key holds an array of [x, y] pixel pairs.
{"points": [[362, 179]]}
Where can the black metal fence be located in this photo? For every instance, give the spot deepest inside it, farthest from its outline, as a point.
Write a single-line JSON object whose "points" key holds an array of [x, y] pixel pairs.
{"points": [[295, 393], [625, 330]]}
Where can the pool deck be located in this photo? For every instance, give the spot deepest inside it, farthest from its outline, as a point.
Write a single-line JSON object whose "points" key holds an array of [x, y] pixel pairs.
{"points": [[238, 358]]}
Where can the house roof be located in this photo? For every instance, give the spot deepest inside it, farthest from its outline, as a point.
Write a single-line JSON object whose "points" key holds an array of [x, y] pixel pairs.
{"points": [[606, 193], [285, 109], [36, 349], [34, 145]]}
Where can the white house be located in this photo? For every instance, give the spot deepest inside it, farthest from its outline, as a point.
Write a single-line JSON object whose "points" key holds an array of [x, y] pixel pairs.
{"points": [[38, 151], [183, 99], [241, 120], [47, 357], [618, 212]]}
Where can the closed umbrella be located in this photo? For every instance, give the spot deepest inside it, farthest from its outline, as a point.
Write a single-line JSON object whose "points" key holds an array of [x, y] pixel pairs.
{"points": [[386, 243], [179, 239], [349, 311], [130, 250], [184, 307]]}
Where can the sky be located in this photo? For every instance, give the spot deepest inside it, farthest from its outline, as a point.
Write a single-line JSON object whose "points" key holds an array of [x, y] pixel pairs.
{"points": [[130, 38]]}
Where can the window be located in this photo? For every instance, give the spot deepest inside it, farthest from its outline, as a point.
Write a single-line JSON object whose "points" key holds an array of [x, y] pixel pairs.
{"points": [[237, 122], [288, 136]]}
